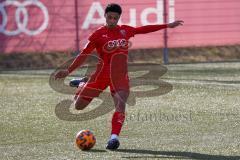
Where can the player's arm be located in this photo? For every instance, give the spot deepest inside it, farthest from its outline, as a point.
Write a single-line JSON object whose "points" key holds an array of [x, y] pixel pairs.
{"points": [[153, 28], [78, 61]]}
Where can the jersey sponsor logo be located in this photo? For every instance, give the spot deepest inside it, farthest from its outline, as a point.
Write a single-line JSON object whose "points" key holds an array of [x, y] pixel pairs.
{"points": [[22, 17], [117, 43], [113, 45]]}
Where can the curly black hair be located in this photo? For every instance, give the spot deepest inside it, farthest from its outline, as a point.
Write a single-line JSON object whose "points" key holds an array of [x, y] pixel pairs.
{"points": [[113, 7]]}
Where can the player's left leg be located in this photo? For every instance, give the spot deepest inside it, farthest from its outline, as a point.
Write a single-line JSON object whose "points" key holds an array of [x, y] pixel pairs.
{"points": [[89, 90], [120, 99]]}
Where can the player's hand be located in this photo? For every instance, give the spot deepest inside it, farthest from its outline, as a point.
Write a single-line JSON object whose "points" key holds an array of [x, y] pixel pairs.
{"points": [[175, 24], [61, 74]]}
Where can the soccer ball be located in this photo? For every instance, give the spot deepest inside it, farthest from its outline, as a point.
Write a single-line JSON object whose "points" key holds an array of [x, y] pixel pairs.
{"points": [[85, 139]]}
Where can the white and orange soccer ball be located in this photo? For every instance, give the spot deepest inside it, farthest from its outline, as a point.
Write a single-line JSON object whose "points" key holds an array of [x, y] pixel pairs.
{"points": [[85, 139]]}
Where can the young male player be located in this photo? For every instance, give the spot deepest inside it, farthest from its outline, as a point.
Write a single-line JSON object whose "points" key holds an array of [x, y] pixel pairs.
{"points": [[111, 42]]}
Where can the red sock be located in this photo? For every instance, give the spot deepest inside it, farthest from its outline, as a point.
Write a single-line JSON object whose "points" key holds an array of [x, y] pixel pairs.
{"points": [[117, 122]]}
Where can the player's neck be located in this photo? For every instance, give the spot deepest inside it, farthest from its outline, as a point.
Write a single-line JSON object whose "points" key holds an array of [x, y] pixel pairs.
{"points": [[111, 27]]}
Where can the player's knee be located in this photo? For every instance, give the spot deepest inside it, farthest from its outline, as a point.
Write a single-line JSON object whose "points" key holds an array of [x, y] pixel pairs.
{"points": [[80, 103], [79, 107]]}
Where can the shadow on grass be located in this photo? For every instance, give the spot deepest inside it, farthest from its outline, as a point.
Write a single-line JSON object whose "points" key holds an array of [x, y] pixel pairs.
{"points": [[150, 154], [96, 150], [174, 155]]}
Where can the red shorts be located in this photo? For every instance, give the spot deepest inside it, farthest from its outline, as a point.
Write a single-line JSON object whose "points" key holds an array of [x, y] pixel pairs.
{"points": [[95, 86]]}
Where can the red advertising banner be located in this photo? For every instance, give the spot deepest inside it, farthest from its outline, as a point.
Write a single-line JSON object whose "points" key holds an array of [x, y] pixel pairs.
{"points": [[56, 25]]}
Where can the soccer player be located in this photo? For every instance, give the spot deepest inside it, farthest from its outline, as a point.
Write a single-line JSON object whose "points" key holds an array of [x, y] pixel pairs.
{"points": [[111, 42]]}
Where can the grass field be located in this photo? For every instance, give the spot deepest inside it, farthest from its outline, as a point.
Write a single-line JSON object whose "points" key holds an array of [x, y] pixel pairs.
{"points": [[198, 119]]}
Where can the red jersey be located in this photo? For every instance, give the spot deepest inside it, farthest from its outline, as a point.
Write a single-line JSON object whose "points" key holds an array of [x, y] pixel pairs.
{"points": [[111, 41]]}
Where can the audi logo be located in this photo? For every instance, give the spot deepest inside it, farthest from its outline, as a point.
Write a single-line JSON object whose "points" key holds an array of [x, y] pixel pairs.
{"points": [[113, 45], [117, 43], [22, 17]]}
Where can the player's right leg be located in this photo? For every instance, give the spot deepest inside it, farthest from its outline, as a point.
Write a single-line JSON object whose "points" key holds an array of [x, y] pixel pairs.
{"points": [[120, 91], [120, 98]]}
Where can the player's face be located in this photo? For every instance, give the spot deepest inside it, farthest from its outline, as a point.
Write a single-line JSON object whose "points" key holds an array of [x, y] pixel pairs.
{"points": [[112, 19]]}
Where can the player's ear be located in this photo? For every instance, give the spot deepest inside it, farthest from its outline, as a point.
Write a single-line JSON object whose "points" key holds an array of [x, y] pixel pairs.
{"points": [[119, 15]]}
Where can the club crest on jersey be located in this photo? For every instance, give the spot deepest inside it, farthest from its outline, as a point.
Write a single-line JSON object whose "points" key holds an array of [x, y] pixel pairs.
{"points": [[123, 32]]}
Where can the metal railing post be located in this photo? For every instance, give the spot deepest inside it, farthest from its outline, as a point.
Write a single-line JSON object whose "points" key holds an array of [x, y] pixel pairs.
{"points": [[165, 35], [77, 27]]}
